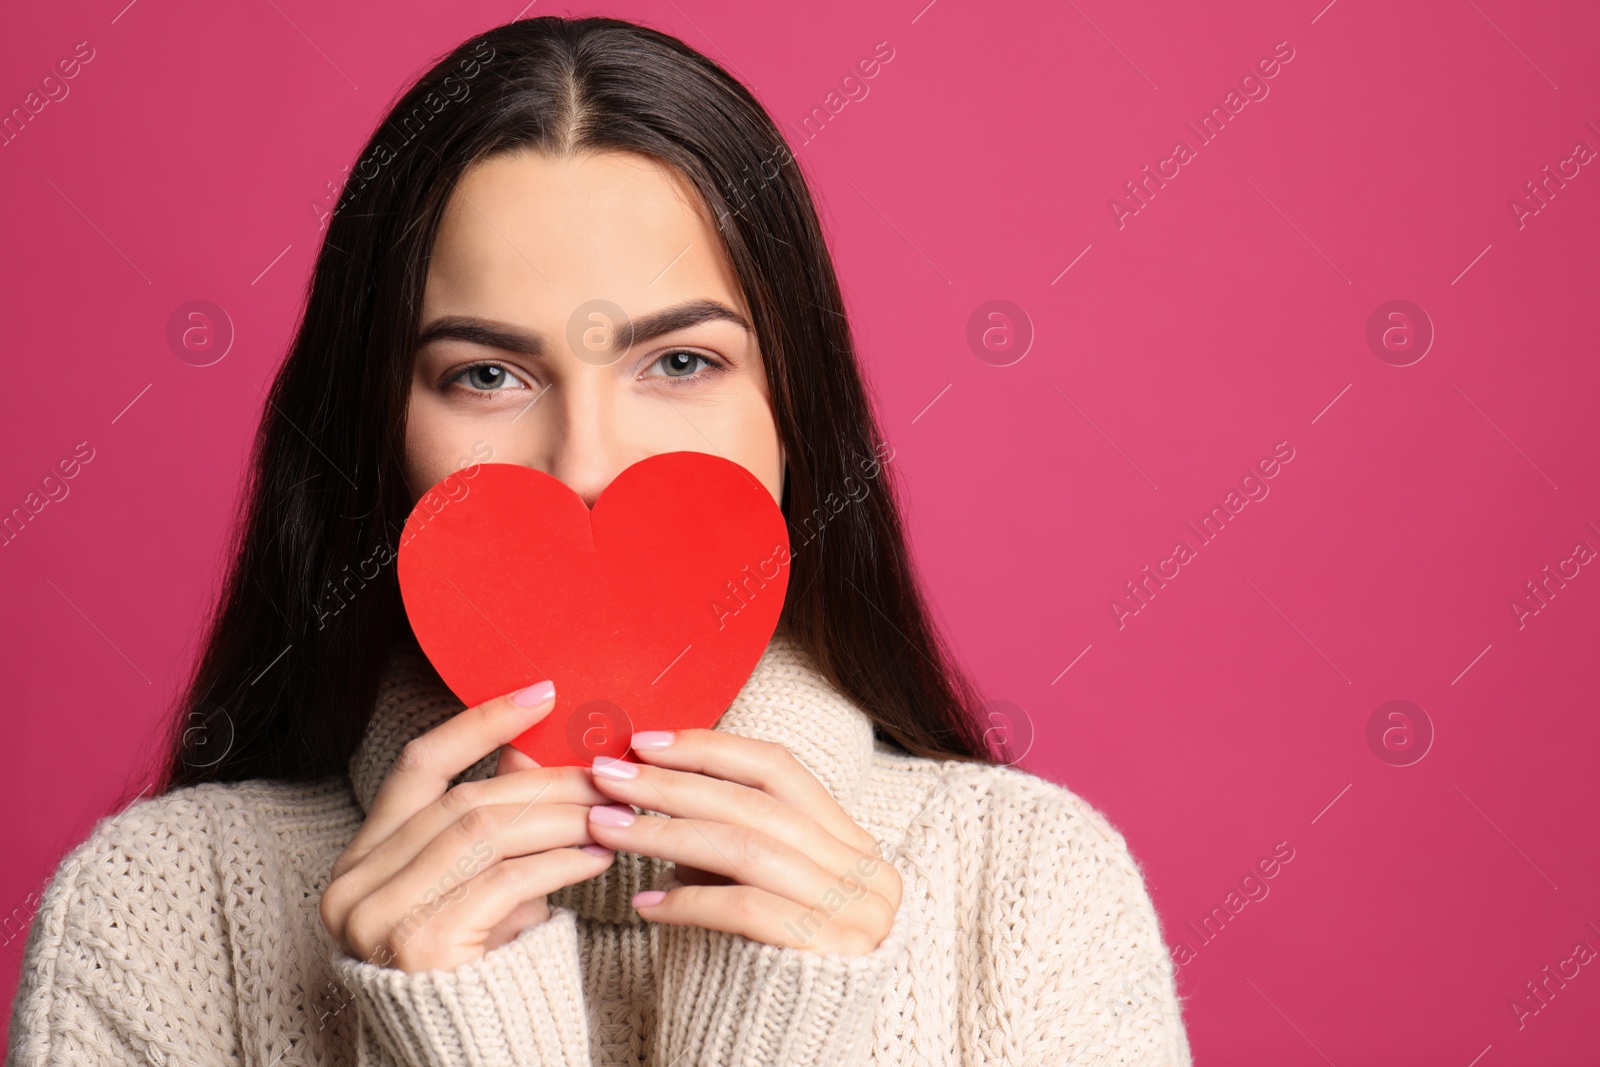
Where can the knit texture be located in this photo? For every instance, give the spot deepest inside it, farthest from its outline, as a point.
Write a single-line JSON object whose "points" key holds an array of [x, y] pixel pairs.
{"points": [[186, 930]]}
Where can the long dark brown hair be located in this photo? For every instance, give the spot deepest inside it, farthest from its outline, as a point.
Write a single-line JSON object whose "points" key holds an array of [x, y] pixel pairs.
{"points": [[285, 684]]}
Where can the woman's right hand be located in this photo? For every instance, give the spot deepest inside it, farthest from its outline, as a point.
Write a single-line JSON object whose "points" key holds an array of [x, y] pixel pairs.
{"points": [[439, 875]]}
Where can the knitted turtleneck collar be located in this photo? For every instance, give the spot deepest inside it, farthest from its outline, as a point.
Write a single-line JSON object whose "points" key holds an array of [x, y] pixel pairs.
{"points": [[784, 700]]}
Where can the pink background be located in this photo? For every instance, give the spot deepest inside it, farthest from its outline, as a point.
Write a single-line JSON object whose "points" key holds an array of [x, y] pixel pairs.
{"points": [[1229, 314]]}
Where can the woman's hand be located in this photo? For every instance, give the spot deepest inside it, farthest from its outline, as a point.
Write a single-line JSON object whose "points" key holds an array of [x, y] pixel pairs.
{"points": [[439, 875], [800, 873]]}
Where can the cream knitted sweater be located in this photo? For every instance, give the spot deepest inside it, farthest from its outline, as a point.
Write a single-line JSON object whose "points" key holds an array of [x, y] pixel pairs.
{"points": [[185, 930]]}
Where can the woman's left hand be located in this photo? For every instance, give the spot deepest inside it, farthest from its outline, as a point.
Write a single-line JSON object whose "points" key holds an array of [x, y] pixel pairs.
{"points": [[799, 872]]}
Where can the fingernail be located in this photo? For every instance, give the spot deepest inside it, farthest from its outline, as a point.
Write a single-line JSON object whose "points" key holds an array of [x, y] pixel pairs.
{"points": [[653, 738], [612, 815], [598, 850], [536, 694], [648, 897], [607, 767]]}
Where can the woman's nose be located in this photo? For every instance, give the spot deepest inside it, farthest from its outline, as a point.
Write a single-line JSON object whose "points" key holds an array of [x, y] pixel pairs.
{"points": [[586, 451]]}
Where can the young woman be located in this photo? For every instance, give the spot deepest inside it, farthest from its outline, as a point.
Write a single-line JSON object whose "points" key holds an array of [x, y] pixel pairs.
{"points": [[572, 245]]}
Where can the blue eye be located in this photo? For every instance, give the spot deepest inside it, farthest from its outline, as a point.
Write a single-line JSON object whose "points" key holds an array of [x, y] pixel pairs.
{"points": [[488, 378]]}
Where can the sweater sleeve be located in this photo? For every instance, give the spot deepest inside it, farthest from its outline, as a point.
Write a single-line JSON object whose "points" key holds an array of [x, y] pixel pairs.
{"points": [[1095, 983], [521, 1003], [122, 963], [728, 1001]]}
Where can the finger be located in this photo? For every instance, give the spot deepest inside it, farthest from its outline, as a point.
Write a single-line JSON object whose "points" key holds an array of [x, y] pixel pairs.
{"points": [[524, 915], [770, 918], [683, 874], [690, 795], [448, 929], [542, 785], [746, 855], [763, 765], [513, 759], [469, 847], [428, 762]]}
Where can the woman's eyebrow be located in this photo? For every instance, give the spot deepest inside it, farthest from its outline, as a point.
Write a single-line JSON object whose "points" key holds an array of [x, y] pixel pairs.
{"points": [[508, 338]]}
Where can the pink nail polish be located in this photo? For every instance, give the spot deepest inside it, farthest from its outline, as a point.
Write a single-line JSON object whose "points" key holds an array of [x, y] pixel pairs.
{"points": [[653, 738], [598, 850], [607, 767], [534, 695], [648, 897], [611, 815]]}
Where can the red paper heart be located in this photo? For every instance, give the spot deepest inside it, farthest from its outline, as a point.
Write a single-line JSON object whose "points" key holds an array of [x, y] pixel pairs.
{"points": [[648, 612]]}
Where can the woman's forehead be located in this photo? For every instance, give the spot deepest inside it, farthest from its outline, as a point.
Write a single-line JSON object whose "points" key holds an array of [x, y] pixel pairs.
{"points": [[545, 234]]}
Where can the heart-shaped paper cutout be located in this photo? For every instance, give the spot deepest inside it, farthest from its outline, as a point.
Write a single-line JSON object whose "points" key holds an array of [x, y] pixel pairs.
{"points": [[648, 612]]}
